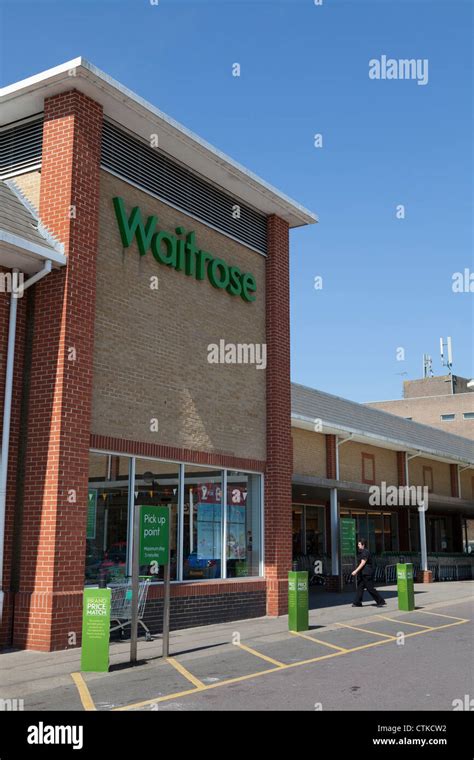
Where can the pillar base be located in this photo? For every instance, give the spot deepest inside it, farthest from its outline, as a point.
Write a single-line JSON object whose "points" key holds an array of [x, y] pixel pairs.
{"points": [[277, 597], [424, 576], [47, 621]]}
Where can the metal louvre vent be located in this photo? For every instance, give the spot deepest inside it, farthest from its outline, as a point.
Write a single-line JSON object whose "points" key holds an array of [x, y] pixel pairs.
{"points": [[153, 171], [21, 147]]}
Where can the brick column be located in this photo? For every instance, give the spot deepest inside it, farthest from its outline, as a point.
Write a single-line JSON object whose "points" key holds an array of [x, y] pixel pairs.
{"points": [[453, 472], [48, 604], [331, 457], [279, 466], [403, 513]]}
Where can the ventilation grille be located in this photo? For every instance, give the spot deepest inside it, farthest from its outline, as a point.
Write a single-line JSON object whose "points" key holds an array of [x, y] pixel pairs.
{"points": [[21, 147], [136, 162]]}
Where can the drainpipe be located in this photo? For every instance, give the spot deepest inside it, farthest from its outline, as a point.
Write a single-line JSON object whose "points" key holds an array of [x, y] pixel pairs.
{"points": [[7, 408]]}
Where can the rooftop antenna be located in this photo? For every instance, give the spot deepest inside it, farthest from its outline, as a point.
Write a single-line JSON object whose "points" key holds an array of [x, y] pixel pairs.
{"points": [[427, 366], [448, 362]]}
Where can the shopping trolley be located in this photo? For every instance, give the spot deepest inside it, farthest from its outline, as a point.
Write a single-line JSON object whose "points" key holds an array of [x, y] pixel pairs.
{"points": [[121, 605]]}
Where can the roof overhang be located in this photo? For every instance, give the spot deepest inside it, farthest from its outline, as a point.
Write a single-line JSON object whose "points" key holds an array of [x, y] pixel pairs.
{"points": [[360, 436], [18, 253], [25, 98]]}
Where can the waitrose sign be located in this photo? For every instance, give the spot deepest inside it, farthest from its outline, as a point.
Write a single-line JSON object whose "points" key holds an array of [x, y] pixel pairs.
{"points": [[181, 252]]}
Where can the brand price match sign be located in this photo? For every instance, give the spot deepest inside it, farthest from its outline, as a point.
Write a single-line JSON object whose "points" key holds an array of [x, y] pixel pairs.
{"points": [[95, 630], [154, 535]]}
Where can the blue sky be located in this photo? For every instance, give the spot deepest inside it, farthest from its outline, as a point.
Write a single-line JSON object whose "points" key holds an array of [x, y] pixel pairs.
{"points": [[304, 70]]}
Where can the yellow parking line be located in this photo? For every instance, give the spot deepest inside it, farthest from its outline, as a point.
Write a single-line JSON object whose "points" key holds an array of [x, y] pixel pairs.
{"points": [[318, 641], [262, 656], [404, 622], [185, 672], [438, 614], [280, 667], [84, 693], [366, 630]]}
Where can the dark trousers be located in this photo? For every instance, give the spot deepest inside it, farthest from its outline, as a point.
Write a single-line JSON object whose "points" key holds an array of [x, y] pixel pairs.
{"points": [[366, 582]]}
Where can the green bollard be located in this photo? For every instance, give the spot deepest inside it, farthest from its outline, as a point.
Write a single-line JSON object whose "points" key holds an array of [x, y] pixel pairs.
{"points": [[406, 592], [298, 601]]}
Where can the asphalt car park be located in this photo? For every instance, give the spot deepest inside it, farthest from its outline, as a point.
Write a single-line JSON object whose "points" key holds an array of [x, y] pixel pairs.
{"points": [[156, 683]]}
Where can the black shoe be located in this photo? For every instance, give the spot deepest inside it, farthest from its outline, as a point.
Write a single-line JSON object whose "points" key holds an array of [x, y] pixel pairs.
{"points": [[357, 605], [381, 604]]}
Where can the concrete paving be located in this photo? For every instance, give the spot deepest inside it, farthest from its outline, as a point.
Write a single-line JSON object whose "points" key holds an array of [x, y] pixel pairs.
{"points": [[348, 659]]}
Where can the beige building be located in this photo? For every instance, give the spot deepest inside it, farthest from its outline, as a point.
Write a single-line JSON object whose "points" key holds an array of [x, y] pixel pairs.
{"points": [[445, 402]]}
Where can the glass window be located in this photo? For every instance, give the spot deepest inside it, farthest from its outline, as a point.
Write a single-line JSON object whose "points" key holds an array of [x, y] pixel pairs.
{"points": [[202, 532], [448, 417], [157, 483], [297, 514], [390, 521], [469, 536], [361, 525], [107, 518], [314, 530], [375, 537], [468, 415], [243, 524]]}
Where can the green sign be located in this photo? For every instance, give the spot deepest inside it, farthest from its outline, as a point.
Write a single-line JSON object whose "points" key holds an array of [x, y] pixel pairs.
{"points": [[298, 601], [91, 512], [154, 535], [406, 592], [181, 252], [95, 630], [348, 536]]}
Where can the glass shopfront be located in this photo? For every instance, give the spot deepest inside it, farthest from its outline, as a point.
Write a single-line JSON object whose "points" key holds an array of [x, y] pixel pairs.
{"points": [[308, 530], [379, 528], [216, 518]]}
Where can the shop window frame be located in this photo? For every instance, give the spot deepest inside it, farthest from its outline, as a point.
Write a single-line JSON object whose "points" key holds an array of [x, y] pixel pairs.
{"points": [[180, 538]]}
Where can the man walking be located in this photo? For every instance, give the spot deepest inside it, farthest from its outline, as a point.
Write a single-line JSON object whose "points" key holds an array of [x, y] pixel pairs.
{"points": [[366, 570]]}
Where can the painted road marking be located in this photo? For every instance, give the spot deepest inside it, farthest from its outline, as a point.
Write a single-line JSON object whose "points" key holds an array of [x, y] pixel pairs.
{"points": [[366, 630], [284, 666], [438, 614], [185, 672], [403, 622], [318, 641], [259, 654], [84, 693]]}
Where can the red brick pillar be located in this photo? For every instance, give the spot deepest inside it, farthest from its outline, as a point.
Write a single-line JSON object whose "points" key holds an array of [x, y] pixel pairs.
{"points": [[279, 467], [48, 604], [331, 454], [453, 472], [403, 513]]}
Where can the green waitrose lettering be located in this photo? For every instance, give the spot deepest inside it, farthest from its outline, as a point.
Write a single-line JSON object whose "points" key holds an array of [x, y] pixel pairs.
{"points": [[182, 254]]}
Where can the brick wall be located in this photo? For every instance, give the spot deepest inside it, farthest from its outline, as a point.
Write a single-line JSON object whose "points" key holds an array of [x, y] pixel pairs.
{"points": [[441, 474], [151, 346], [278, 547], [428, 411], [350, 462], [309, 452], [48, 605], [29, 184]]}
